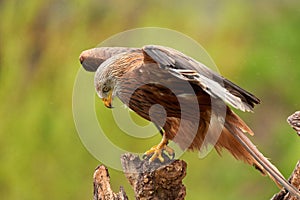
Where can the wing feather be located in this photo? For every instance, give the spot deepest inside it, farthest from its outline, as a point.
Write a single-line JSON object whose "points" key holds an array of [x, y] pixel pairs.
{"points": [[91, 59], [184, 67]]}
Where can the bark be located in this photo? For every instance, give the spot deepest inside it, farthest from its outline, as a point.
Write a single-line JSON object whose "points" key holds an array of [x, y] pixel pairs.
{"points": [[294, 122], [155, 180], [149, 181], [102, 189], [294, 180]]}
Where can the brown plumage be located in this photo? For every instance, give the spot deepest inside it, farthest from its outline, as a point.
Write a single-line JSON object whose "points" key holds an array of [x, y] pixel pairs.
{"points": [[193, 96]]}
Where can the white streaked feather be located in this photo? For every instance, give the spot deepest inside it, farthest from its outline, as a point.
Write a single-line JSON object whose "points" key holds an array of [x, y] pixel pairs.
{"points": [[210, 86]]}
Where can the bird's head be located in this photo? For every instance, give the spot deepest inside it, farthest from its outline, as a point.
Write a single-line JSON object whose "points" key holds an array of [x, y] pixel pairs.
{"points": [[105, 89], [108, 75], [105, 82]]}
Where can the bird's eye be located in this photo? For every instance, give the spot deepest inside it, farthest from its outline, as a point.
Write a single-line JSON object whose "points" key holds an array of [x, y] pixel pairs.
{"points": [[105, 89]]}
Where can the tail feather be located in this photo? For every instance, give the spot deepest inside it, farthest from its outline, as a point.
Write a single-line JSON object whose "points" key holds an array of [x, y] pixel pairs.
{"points": [[231, 144], [232, 138], [238, 144]]}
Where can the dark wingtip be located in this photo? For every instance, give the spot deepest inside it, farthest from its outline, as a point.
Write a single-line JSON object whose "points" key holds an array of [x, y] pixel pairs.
{"points": [[89, 62]]}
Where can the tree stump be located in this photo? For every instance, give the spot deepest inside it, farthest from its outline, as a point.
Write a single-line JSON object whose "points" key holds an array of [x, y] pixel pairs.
{"points": [[294, 121], [295, 181], [155, 180], [149, 180], [102, 188]]}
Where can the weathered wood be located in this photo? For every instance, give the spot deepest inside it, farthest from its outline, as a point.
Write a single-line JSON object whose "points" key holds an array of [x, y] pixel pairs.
{"points": [[102, 188], [294, 121], [294, 180], [155, 180]]}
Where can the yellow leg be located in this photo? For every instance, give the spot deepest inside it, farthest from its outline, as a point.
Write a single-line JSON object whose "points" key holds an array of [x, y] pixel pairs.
{"points": [[157, 150]]}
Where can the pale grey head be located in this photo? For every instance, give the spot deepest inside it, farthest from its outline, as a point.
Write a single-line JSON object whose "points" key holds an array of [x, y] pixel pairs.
{"points": [[105, 80]]}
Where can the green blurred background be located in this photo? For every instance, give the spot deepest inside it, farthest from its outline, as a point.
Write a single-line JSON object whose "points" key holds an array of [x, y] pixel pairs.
{"points": [[255, 44]]}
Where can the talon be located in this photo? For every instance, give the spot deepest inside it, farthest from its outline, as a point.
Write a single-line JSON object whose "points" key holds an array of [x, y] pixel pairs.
{"points": [[145, 156], [157, 150], [170, 151]]}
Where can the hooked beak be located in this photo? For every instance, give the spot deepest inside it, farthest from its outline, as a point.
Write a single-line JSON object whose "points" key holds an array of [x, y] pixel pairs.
{"points": [[108, 101]]}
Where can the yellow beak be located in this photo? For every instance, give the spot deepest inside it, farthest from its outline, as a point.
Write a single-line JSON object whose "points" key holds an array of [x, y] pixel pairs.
{"points": [[108, 101]]}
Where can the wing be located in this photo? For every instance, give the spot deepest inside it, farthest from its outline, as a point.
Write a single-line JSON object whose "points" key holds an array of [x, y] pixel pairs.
{"points": [[91, 59], [191, 70]]}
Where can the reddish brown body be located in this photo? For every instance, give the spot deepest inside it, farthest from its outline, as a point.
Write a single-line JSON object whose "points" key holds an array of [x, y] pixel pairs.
{"points": [[143, 71], [193, 96]]}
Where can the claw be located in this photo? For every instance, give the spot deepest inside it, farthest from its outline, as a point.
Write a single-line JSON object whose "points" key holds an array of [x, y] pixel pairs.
{"points": [[157, 151]]}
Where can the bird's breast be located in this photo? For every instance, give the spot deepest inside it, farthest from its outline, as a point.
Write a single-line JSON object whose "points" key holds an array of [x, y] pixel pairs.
{"points": [[147, 85]]}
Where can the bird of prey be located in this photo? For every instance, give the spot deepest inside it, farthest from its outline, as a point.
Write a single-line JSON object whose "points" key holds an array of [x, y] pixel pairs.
{"points": [[143, 77]]}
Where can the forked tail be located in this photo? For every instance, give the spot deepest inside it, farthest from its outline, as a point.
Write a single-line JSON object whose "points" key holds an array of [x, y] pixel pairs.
{"points": [[246, 150]]}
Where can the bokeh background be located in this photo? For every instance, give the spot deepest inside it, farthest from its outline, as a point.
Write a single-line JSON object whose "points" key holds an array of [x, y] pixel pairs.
{"points": [[254, 43]]}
